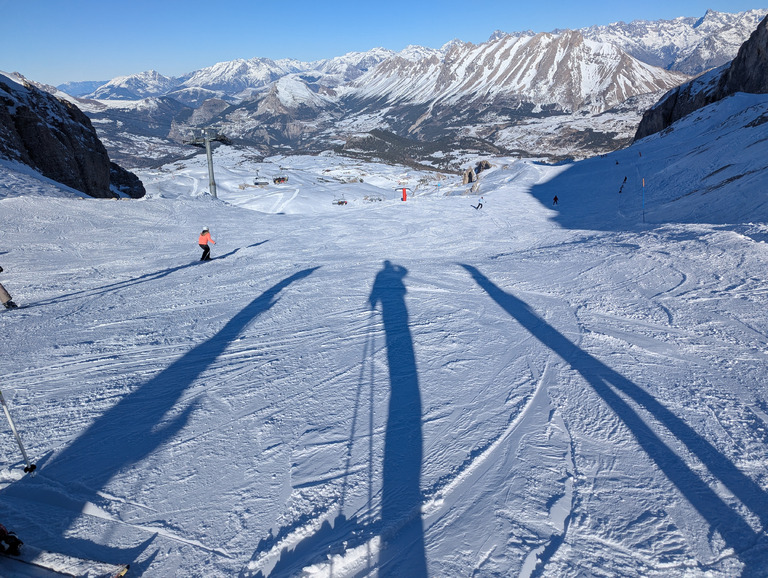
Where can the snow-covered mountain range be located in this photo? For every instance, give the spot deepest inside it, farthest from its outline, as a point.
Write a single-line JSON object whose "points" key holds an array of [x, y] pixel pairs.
{"points": [[685, 44], [512, 92], [237, 80], [689, 45], [748, 72]]}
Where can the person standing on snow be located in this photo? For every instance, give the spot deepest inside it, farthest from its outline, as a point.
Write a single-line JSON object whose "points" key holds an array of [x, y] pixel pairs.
{"points": [[203, 240], [480, 203], [5, 298], [554, 201]]}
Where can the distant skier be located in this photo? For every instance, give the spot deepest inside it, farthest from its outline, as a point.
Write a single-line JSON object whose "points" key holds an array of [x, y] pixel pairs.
{"points": [[479, 204], [203, 240], [5, 298], [554, 201]]}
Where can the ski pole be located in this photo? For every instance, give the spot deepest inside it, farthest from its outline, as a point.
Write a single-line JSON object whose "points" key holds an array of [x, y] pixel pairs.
{"points": [[29, 467]]}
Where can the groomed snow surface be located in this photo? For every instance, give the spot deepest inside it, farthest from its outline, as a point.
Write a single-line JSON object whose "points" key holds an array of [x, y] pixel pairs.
{"points": [[389, 388]]}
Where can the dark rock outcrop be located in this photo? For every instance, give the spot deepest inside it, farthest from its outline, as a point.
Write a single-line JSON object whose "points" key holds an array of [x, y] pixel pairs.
{"points": [[748, 72], [482, 166], [55, 138], [125, 182]]}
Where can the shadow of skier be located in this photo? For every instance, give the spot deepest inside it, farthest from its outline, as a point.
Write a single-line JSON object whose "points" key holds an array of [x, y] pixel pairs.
{"points": [[125, 434], [611, 386], [400, 528], [118, 285]]}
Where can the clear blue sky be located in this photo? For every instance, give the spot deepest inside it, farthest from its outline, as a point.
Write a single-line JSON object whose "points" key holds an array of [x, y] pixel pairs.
{"points": [[55, 41]]}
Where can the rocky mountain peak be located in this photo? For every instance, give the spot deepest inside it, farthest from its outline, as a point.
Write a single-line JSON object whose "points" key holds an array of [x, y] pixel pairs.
{"points": [[748, 72]]}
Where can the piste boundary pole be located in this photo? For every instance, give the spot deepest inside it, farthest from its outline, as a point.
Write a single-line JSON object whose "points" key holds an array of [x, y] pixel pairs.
{"points": [[30, 467]]}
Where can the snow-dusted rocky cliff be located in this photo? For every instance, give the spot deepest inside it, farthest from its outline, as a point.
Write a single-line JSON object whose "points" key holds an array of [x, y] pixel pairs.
{"points": [[748, 72], [56, 139]]}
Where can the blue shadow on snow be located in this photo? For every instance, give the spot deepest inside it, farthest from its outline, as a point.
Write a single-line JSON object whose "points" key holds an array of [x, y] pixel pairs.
{"points": [[401, 483], [147, 277], [609, 384], [401, 530], [127, 433]]}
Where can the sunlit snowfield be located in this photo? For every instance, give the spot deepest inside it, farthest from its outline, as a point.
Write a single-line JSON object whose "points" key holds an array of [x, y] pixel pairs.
{"points": [[399, 388]]}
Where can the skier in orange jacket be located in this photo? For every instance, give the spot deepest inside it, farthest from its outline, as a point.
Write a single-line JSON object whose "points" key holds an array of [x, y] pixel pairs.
{"points": [[203, 240]]}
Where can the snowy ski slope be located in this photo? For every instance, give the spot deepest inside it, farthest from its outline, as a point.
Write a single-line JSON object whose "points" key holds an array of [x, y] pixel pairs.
{"points": [[399, 388]]}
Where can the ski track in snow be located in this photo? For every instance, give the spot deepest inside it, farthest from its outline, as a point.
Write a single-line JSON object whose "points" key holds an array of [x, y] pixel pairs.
{"points": [[591, 398]]}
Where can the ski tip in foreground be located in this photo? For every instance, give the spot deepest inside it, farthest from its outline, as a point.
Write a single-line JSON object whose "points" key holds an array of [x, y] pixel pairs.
{"points": [[47, 563]]}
